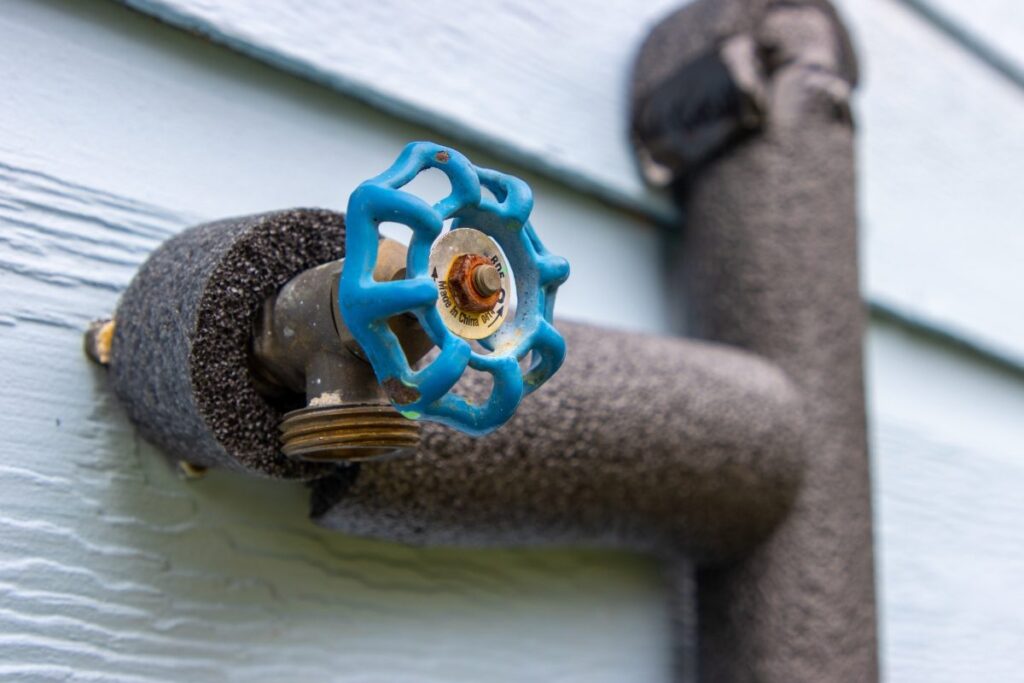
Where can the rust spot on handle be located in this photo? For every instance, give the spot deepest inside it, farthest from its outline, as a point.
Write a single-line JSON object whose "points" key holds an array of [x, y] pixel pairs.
{"points": [[400, 393]]}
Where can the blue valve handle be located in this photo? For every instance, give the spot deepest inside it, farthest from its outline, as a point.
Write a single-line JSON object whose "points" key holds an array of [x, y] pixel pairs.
{"points": [[366, 304]]}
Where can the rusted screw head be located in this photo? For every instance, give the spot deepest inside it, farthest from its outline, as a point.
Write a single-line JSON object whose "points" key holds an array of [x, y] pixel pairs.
{"points": [[474, 283]]}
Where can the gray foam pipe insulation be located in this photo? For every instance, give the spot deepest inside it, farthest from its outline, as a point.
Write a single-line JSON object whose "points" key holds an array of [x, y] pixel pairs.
{"points": [[739, 458]]}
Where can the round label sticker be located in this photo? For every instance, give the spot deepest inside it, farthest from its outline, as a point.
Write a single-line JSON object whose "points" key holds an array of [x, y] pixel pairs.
{"points": [[461, 242]]}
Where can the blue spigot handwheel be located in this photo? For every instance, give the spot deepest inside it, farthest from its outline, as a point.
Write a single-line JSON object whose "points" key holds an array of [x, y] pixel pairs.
{"points": [[367, 304]]}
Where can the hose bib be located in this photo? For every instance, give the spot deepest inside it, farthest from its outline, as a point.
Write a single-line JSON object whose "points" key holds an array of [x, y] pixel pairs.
{"points": [[459, 285]]}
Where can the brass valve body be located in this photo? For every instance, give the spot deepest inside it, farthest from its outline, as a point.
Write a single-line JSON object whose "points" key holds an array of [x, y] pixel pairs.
{"points": [[302, 346]]}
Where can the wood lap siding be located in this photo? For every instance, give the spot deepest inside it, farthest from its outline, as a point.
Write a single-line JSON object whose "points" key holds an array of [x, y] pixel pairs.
{"points": [[948, 468], [543, 82], [942, 144], [117, 131]]}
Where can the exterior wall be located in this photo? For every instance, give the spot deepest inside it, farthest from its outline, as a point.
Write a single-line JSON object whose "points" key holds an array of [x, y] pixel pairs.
{"points": [[948, 467], [117, 131], [941, 135]]}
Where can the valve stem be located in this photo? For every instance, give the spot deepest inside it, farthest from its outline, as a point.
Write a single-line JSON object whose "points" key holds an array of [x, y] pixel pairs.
{"points": [[486, 280], [474, 282]]}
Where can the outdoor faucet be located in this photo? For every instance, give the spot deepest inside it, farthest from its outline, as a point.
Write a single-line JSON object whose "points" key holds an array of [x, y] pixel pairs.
{"points": [[341, 349]]}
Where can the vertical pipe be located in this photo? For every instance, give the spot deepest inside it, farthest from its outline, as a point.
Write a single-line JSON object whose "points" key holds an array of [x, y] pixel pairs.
{"points": [[770, 264]]}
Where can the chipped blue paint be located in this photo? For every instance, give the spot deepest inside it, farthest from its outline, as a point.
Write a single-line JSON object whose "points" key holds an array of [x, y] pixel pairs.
{"points": [[366, 304]]}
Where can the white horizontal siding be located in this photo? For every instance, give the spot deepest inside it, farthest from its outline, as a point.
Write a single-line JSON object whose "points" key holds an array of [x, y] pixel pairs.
{"points": [[942, 140], [948, 468], [543, 82]]}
